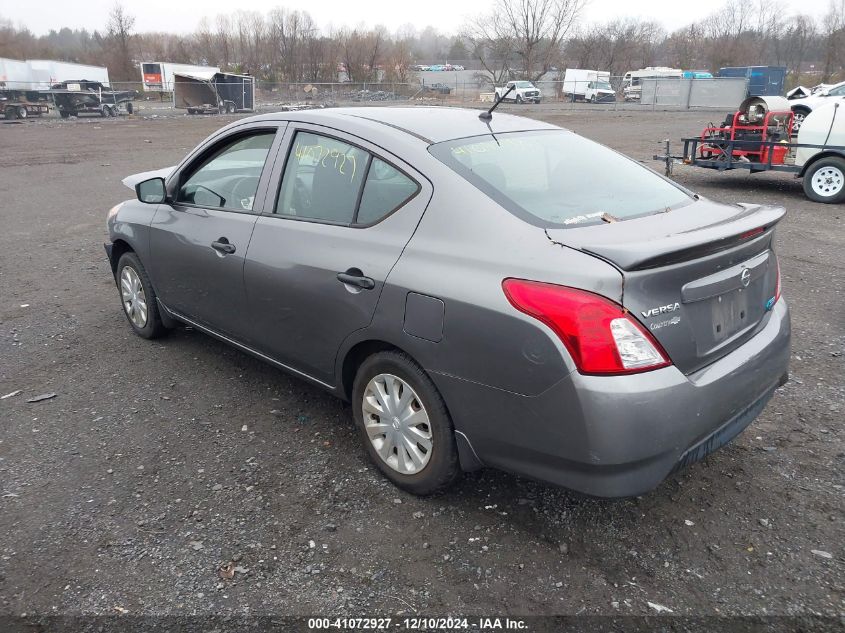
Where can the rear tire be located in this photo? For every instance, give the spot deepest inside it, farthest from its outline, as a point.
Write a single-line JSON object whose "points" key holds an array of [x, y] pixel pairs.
{"points": [[824, 181], [22, 112], [134, 287], [440, 468], [11, 113], [64, 114]]}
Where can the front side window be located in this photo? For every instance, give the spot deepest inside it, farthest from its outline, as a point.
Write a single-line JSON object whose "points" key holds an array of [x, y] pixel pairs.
{"points": [[557, 178], [228, 178], [327, 180]]}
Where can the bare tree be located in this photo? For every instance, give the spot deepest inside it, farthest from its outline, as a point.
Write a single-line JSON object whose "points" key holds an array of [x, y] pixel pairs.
{"points": [[361, 52], [223, 39], [119, 37], [521, 37], [833, 30]]}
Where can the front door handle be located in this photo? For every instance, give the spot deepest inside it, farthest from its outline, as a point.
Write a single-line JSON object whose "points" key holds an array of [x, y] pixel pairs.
{"points": [[354, 277], [222, 246]]}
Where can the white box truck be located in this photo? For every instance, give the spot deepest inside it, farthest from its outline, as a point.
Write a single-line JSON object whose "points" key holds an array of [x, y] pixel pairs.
{"points": [[587, 85], [158, 76]]}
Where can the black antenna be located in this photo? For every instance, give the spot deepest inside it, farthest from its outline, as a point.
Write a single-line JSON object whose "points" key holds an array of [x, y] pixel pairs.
{"points": [[486, 116]]}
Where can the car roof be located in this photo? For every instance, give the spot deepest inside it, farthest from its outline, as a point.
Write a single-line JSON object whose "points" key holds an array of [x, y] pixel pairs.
{"points": [[429, 124]]}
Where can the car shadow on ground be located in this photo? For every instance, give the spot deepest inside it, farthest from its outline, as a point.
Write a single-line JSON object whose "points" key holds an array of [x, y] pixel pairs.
{"points": [[532, 507]]}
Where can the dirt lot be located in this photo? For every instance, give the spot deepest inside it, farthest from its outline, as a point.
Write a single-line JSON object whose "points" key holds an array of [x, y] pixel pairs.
{"points": [[158, 462]]}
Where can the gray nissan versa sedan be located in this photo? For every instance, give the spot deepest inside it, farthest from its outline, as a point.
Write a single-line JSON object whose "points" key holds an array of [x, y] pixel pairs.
{"points": [[485, 292]]}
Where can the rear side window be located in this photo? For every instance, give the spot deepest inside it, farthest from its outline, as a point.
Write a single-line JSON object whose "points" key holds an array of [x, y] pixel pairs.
{"points": [[557, 178], [385, 190], [322, 179], [228, 178], [328, 180]]}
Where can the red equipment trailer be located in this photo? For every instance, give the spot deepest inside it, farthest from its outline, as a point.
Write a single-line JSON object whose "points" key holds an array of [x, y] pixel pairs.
{"points": [[755, 133]]}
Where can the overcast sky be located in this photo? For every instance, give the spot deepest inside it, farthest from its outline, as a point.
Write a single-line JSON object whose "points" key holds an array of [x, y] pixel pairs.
{"points": [[181, 16]]}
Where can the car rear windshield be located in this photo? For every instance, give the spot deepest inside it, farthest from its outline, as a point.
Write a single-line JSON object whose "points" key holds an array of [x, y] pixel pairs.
{"points": [[557, 178]]}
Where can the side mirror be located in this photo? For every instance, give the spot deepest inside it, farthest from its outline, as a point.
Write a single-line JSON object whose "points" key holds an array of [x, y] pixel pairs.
{"points": [[151, 191]]}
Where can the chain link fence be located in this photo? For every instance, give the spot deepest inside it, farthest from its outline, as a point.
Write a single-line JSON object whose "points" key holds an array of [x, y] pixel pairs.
{"points": [[467, 88]]}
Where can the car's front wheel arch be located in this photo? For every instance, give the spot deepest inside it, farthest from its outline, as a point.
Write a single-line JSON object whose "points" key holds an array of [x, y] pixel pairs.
{"points": [[119, 247]]}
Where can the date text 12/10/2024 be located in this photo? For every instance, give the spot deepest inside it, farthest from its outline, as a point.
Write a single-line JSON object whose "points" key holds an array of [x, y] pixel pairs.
{"points": [[480, 624]]}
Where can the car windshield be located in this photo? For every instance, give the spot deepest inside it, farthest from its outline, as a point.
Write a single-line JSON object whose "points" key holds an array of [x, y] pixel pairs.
{"points": [[557, 178], [524, 84], [603, 85]]}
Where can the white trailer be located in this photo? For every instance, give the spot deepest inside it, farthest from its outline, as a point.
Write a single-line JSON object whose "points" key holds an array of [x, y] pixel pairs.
{"points": [[576, 83], [45, 73], [19, 98], [159, 76], [631, 83], [15, 75]]}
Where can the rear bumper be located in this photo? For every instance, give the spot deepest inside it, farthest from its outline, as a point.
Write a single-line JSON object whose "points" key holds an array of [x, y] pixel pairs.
{"points": [[616, 436]]}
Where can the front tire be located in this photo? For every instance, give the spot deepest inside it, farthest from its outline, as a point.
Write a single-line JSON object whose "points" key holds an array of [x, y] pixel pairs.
{"points": [[138, 297], [519, 99], [404, 423], [824, 181]]}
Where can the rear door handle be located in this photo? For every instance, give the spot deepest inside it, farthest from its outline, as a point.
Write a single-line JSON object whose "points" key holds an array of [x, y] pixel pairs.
{"points": [[222, 245], [354, 277]]}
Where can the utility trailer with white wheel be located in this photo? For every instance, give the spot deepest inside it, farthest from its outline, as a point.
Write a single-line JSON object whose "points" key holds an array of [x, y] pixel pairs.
{"points": [[13, 106], [817, 156], [19, 97]]}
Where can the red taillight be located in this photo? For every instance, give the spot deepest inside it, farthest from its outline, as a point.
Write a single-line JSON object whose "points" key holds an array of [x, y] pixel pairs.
{"points": [[600, 335], [752, 233]]}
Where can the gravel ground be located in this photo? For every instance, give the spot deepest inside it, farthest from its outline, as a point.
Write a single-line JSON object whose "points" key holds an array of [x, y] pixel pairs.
{"points": [[157, 464]]}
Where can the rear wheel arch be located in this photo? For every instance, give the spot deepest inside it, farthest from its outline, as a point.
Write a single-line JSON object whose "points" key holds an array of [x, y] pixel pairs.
{"points": [[356, 355]]}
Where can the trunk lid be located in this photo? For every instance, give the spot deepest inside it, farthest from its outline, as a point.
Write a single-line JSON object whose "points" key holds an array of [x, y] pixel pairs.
{"points": [[700, 278]]}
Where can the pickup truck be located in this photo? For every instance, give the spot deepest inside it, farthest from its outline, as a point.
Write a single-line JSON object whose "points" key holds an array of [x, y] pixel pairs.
{"points": [[523, 92]]}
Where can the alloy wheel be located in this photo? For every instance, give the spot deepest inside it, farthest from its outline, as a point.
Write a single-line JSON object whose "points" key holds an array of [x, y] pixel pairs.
{"points": [[397, 424], [134, 299]]}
